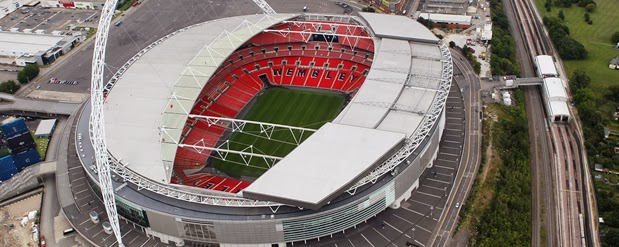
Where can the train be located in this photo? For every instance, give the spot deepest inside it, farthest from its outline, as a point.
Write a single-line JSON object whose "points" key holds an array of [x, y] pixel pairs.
{"points": [[553, 90]]}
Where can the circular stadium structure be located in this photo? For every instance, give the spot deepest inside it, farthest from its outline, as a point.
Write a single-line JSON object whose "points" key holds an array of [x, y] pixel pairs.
{"points": [[267, 130]]}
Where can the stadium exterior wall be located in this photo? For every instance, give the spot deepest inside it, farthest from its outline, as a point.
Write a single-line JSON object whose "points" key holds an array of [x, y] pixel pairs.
{"points": [[271, 229]]}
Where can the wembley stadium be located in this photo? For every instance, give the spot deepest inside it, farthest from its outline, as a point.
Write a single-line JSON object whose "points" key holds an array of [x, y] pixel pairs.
{"points": [[268, 130]]}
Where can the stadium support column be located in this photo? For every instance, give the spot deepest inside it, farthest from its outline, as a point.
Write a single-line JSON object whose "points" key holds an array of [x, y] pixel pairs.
{"points": [[97, 130]]}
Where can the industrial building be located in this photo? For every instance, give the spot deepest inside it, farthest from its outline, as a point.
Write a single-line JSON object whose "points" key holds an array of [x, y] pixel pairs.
{"points": [[29, 48], [83, 4], [452, 21], [8, 6], [452, 7]]}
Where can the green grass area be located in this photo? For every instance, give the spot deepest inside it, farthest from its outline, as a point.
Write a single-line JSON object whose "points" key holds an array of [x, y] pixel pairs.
{"points": [[41, 145], [595, 38], [4, 151], [279, 106]]}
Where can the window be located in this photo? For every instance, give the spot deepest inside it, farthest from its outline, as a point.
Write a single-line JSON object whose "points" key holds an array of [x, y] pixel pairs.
{"points": [[342, 50], [241, 57], [316, 47], [257, 66], [264, 51], [303, 47], [367, 56], [312, 63], [270, 63], [353, 68], [276, 49], [330, 48], [326, 65], [289, 48], [339, 66], [251, 53]]}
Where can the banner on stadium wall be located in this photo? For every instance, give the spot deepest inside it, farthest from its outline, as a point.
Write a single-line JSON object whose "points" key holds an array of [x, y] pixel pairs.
{"points": [[68, 4], [83, 5]]}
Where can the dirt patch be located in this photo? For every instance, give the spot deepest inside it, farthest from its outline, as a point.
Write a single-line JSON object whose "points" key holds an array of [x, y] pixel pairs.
{"points": [[12, 232]]}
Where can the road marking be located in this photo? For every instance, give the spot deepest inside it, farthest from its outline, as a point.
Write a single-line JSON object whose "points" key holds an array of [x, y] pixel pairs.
{"points": [[353, 245], [456, 148], [460, 124], [413, 211], [431, 187], [453, 129], [444, 160], [381, 234], [147, 240], [100, 231], [457, 136], [398, 230], [366, 239], [450, 141], [84, 222], [440, 181], [457, 155], [136, 237], [428, 194], [444, 167]]}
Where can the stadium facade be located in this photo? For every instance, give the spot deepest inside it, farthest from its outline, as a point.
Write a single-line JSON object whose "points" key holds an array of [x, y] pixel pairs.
{"points": [[368, 158]]}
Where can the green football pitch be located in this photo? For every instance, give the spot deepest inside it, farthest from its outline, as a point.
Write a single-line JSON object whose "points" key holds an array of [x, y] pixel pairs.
{"points": [[279, 106]]}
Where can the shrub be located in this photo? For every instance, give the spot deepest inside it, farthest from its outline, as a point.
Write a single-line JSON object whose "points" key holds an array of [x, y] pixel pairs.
{"points": [[9, 87], [28, 73], [590, 7], [615, 38]]}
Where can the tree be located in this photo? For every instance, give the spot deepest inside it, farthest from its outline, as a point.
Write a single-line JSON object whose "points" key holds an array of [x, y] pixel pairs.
{"points": [[28, 73], [590, 7], [368, 9], [615, 38], [561, 15], [548, 6], [9, 87], [453, 44], [587, 17], [580, 80], [614, 93]]}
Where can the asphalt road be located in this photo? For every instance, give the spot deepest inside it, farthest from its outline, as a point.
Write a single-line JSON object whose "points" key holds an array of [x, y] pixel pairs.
{"points": [[471, 158]]}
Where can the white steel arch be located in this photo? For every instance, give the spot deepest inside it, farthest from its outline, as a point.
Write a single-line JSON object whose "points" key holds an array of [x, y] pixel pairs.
{"points": [[266, 8], [97, 130]]}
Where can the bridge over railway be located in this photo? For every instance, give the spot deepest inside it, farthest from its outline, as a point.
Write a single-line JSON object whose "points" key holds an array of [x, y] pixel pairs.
{"points": [[529, 81]]}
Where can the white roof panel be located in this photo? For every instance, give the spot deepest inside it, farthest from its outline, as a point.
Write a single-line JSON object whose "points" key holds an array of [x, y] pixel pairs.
{"points": [[305, 179], [160, 88], [406, 28], [545, 66], [20, 43], [559, 108], [554, 90], [45, 127]]}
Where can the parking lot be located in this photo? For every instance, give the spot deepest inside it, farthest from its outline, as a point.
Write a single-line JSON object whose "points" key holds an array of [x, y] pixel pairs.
{"points": [[49, 19]]}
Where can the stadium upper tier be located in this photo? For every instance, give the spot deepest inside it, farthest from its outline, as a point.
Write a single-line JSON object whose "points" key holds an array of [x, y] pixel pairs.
{"points": [[173, 105]]}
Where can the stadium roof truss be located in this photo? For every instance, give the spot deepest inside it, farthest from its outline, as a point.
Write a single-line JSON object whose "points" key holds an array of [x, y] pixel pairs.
{"points": [[197, 73], [344, 31], [248, 153]]}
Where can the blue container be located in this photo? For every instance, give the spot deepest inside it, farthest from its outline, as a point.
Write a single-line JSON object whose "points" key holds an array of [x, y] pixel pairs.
{"points": [[21, 142], [15, 127], [26, 158], [7, 168]]}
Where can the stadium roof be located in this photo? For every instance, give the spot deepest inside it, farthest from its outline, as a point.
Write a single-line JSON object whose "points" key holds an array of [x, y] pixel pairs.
{"points": [[148, 107], [390, 26], [150, 104], [308, 180]]}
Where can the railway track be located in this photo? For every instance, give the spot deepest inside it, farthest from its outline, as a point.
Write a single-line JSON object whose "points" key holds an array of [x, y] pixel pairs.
{"points": [[563, 174]]}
